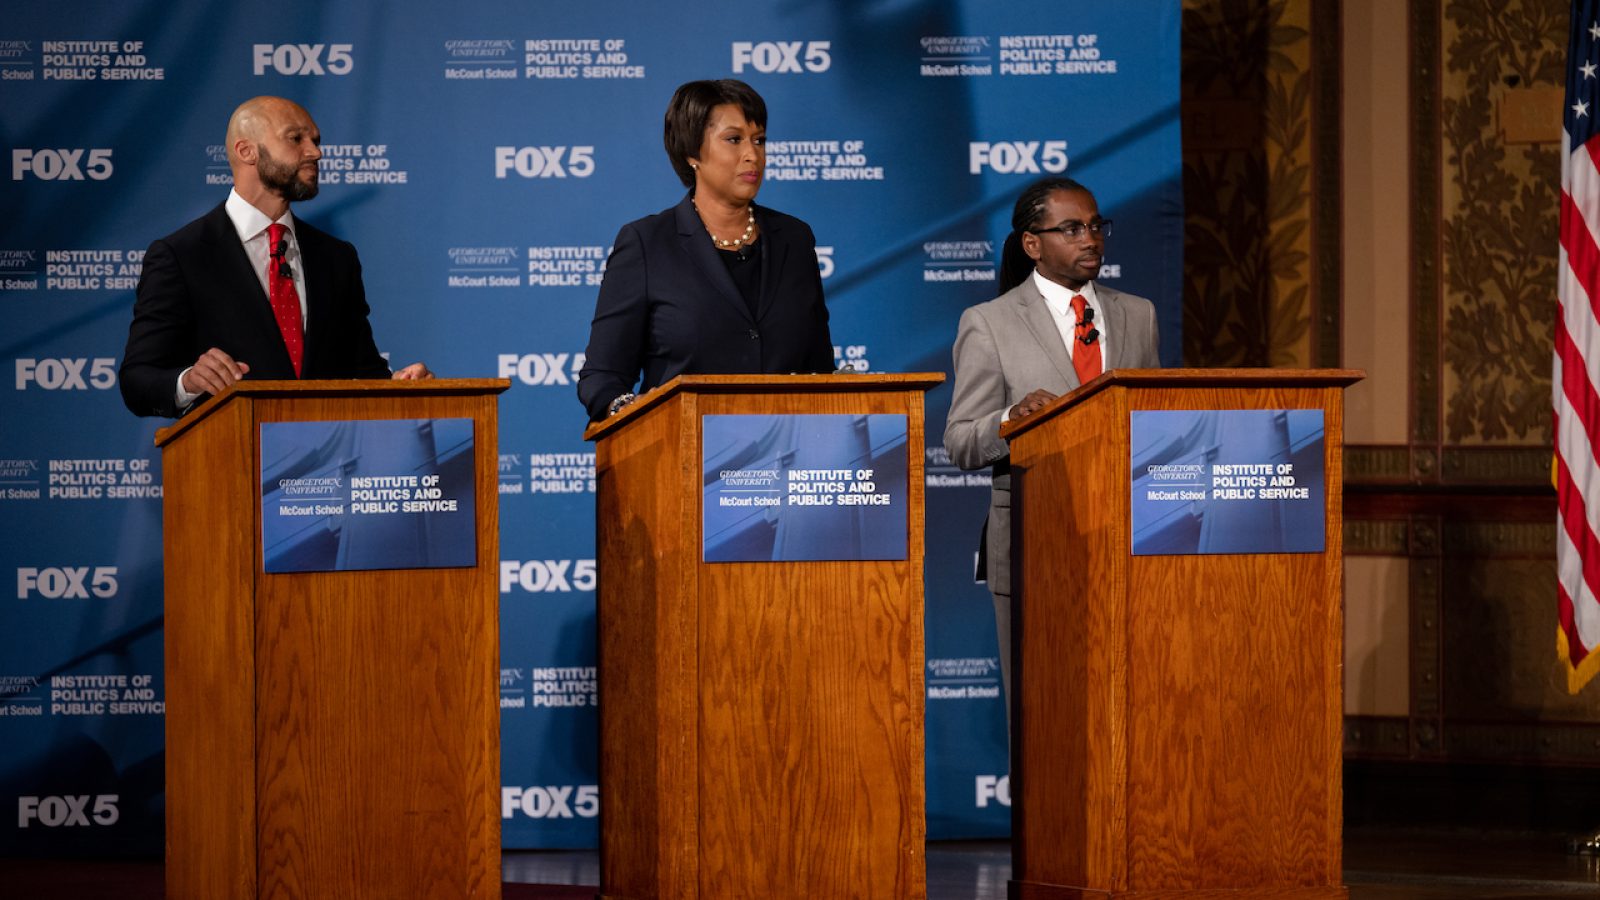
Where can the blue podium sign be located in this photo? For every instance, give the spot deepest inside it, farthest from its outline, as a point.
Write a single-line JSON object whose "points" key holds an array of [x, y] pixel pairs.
{"points": [[370, 494], [782, 488], [1228, 481]]}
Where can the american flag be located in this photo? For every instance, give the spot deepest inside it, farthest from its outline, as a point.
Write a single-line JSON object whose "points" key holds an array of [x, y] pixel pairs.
{"points": [[1575, 375]]}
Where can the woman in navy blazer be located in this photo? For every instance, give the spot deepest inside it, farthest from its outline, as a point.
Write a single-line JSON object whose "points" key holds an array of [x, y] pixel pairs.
{"points": [[715, 284]]}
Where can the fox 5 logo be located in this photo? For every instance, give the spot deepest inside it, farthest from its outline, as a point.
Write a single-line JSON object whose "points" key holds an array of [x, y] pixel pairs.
{"points": [[71, 811], [770, 57], [67, 582], [67, 374], [1009, 157], [553, 802], [991, 787], [544, 162], [61, 164], [302, 59], [542, 576], [539, 369]]}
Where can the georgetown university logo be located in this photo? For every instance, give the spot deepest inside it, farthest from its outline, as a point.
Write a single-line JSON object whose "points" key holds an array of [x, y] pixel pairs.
{"points": [[968, 678], [958, 261], [956, 56], [513, 691], [217, 169], [476, 267], [19, 270], [480, 60]]}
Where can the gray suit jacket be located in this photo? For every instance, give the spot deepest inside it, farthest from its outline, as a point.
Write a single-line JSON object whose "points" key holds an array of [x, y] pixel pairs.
{"points": [[1006, 348]]}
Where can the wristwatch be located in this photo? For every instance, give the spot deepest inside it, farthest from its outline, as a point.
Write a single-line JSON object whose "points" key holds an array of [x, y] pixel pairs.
{"points": [[619, 403]]}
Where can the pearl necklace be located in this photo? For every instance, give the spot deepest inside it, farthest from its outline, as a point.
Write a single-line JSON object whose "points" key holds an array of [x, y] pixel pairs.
{"points": [[736, 243]]}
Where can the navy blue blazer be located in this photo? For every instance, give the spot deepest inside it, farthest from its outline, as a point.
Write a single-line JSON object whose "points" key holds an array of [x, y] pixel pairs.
{"points": [[197, 291], [668, 307]]}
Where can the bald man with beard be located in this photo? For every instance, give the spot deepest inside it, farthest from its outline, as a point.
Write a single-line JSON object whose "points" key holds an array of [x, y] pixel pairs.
{"points": [[202, 318]]}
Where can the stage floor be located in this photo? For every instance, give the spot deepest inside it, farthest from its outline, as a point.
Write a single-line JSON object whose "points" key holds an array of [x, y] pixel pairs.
{"points": [[1380, 864]]}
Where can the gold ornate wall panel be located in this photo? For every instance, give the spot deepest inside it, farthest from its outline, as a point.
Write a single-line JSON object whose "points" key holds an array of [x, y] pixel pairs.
{"points": [[1466, 503], [1254, 200], [1483, 241], [1497, 228]]}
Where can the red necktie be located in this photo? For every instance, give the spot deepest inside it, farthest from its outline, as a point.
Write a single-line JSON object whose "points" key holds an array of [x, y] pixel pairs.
{"points": [[285, 299], [1086, 354]]}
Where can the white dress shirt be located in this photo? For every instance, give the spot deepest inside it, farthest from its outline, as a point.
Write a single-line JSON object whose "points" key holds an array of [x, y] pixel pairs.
{"points": [[251, 224], [1059, 298]]}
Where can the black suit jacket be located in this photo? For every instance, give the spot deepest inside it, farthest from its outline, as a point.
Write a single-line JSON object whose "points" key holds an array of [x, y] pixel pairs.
{"points": [[197, 291], [668, 307]]}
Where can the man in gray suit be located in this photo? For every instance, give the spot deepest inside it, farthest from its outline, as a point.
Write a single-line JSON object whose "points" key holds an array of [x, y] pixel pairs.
{"points": [[1051, 330]]}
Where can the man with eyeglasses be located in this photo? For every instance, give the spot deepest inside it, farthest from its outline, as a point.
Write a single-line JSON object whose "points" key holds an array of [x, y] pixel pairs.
{"points": [[1051, 329]]}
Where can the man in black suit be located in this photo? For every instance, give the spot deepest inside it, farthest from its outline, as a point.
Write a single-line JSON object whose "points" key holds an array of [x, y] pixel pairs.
{"points": [[247, 290]]}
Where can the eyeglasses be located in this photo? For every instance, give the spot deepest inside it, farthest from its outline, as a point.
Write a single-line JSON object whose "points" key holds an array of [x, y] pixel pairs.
{"points": [[1072, 230]]}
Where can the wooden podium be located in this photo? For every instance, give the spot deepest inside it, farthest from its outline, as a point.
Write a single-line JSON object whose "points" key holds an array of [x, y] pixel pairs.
{"points": [[761, 723], [329, 734], [1177, 718]]}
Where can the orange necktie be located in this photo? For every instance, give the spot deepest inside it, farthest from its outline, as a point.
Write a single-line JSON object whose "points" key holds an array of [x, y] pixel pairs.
{"points": [[286, 300], [1086, 355]]}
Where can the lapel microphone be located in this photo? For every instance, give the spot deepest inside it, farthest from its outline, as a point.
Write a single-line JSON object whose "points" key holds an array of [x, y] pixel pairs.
{"points": [[277, 252], [1093, 334]]}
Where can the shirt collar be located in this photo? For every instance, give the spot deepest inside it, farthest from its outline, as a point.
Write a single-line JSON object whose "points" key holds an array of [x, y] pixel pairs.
{"points": [[250, 222], [1059, 296]]}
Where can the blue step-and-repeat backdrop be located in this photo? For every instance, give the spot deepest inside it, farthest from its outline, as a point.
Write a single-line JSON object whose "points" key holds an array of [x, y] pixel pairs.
{"points": [[481, 156]]}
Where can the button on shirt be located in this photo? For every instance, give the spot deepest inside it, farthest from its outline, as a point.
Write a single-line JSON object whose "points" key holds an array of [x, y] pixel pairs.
{"points": [[1059, 299], [251, 225]]}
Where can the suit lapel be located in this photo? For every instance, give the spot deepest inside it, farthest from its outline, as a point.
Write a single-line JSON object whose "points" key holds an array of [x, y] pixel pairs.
{"points": [[1037, 316], [774, 255], [245, 285], [1116, 313], [230, 254], [697, 244], [319, 287]]}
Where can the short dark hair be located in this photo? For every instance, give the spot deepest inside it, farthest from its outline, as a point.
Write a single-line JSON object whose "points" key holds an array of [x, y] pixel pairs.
{"points": [[690, 112], [1015, 264]]}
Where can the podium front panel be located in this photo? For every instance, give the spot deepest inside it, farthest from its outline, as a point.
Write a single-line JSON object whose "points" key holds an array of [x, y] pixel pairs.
{"points": [[1178, 717], [761, 722], [377, 696], [330, 733]]}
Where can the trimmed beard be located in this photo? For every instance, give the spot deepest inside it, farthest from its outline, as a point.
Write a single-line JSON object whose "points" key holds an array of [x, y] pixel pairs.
{"points": [[281, 179]]}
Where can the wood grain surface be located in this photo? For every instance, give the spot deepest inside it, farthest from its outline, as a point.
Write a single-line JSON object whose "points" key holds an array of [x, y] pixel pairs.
{"points": [[349, 718], [761, 723], [1179, 722], [210, 523]]}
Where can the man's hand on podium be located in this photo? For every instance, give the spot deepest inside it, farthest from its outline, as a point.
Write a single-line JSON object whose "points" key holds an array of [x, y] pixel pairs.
{"points": [[414, 372], [1030, 404], [213, 372]]}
